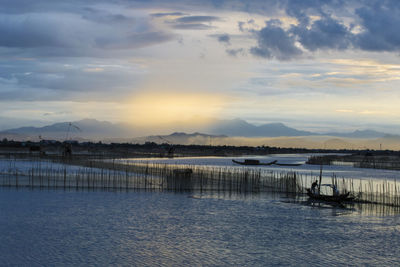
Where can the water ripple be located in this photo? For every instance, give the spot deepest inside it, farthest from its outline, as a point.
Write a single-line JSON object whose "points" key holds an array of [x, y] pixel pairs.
{"points": [[64, 228]]}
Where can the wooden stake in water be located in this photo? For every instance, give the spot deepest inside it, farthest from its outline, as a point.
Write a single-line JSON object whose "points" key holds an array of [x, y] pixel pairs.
{"points": [[320, 179]]}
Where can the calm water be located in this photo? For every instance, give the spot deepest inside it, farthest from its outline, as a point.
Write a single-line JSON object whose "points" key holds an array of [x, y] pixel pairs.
{"points": [[312, 170], [53, 228]]}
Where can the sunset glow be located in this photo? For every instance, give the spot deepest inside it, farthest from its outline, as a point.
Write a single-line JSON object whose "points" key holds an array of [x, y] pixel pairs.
{"points": [[156, 108]]}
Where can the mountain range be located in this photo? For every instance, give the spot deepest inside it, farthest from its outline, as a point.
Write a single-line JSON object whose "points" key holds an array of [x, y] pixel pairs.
{"points": [[239, 127], [86, 129], [216, 132], [91, 129]]}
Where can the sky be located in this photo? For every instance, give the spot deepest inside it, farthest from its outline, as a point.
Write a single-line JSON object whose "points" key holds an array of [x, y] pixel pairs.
{"points": [[319, 65]]}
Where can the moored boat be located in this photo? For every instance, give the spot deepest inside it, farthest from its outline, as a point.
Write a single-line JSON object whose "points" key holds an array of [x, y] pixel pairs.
{"points": [[335, 197], [253, 162], [288, 164]]}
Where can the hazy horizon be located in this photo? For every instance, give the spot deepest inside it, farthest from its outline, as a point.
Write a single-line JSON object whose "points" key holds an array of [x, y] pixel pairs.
{"points": [[221, 132], [198, 125]]}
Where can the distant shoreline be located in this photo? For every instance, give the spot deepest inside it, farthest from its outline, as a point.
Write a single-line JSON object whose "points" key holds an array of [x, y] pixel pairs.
{"points": [[66, 150]]}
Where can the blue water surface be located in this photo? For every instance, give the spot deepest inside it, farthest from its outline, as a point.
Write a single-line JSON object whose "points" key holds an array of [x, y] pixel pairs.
{"points": [[138, 228]]}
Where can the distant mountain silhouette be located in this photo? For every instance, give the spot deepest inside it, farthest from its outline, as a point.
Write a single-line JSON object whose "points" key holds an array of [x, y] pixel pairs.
{"points": [[359, 134], [98, 130], [83, 129], [239, 127]]}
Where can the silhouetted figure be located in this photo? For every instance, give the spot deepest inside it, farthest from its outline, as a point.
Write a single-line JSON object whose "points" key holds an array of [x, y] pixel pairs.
{"points": [[335, 190], [313, 186]]}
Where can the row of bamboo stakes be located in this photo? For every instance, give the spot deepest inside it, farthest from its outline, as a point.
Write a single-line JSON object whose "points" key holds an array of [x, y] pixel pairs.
{"points": [[154, 176]]}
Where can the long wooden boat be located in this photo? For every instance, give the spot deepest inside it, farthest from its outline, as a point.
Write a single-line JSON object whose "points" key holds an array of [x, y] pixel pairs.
{"points": [[253, 162], [338, 198], [288, 164]]}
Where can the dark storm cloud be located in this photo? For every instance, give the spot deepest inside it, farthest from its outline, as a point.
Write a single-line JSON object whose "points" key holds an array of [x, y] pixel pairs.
{"points": [[275, 42], [301, 10], [325, 33], [376, 19], [380, 27]]}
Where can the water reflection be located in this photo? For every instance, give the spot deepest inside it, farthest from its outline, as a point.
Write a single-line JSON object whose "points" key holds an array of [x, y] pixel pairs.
{"points": [[335, 208], [141, 228], [347, 208]]}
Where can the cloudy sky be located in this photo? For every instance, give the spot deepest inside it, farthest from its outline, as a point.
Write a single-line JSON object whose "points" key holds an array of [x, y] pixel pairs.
{"points": [[316, 65]]}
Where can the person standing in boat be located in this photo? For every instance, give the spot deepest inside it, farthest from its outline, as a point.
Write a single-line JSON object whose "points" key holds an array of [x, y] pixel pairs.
{"points": [[335, 190], [313, 186]]}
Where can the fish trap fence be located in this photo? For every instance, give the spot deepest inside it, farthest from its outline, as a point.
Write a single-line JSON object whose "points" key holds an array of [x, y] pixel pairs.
{"points": [[150, 176], [197, 177], [155, 176]]}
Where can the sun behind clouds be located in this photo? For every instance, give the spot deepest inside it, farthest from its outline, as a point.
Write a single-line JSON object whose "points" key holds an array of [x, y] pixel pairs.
{"points": [[156, 108]]}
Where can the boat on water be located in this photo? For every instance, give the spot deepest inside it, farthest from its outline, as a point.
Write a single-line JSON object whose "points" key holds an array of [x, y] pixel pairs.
{"points": [[253, 162], [257, 162], [335, 197], [288, 164]]}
